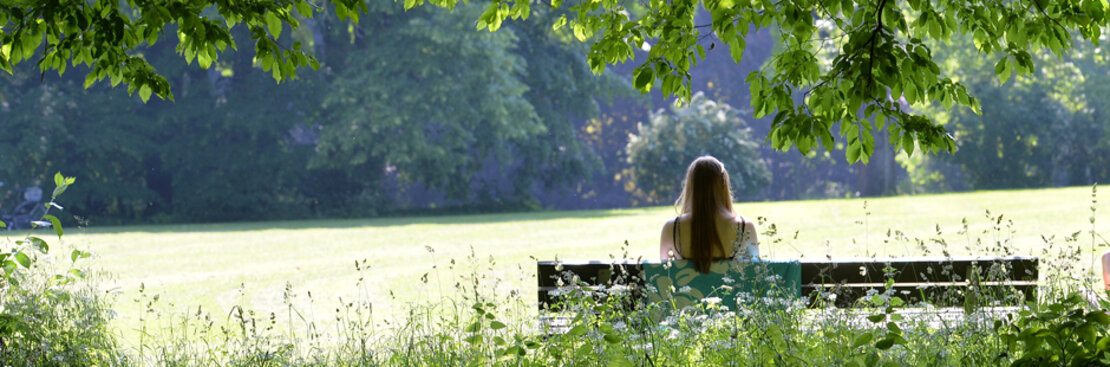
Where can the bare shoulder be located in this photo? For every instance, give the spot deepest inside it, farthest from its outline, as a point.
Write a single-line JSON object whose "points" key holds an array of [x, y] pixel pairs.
{"points": [[749, 225], [670, 223]]}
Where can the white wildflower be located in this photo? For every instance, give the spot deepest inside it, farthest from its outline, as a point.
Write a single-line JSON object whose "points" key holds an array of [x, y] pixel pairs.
{"points": [[727, 280], [684, 289], [674, 334], [558, 292], [711, 300]]}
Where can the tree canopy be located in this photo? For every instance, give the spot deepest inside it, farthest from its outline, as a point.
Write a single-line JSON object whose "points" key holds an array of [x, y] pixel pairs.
{"points": [[840, 68], [410, 110]]}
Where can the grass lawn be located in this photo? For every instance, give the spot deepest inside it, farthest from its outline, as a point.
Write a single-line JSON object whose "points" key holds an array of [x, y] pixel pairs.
{"points": [[217, 266]]}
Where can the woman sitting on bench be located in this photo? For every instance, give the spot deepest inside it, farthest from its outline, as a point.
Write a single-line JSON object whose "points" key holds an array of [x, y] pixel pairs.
{"points": [[707, 222]]}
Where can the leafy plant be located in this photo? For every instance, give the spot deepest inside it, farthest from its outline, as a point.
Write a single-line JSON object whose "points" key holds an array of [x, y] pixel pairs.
{"points": [[1063, 333], [663, 147], [51, 319], [22, 255]]}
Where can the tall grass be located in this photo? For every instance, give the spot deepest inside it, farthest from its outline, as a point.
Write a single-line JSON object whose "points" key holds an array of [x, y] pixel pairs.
{"points": [[478, 321]]}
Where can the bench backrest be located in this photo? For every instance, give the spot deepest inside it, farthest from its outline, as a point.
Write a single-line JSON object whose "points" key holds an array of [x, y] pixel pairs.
{"points": [[942, 281], [680, 284]]}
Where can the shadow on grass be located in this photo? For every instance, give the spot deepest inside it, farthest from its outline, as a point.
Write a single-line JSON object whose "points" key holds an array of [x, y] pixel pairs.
{"points": [[536, 216]]}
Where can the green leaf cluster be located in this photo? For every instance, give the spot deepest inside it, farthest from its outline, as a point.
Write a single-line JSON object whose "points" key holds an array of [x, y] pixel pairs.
{"points": [[108, 37], [451, 108], [842, 68], [25, 252], [839, 63], [1061, 333], [1037, 129]]}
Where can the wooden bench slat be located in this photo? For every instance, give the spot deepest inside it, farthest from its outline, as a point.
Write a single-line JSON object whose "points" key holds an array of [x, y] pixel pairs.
{"points": [[917, 270], [937, 296], [593, 272]]}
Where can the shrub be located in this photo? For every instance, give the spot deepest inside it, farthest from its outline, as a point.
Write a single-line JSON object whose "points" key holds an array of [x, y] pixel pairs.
{"points": [[49, 319], [662, 149], [45, 323]]}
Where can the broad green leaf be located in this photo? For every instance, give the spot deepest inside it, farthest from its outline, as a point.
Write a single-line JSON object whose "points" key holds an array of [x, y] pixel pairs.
{"points": [[1002, 69], [579, 31], [826, 140], [304, 9], [341, 11], [144, 93], [893, 327], [273, 23], [57, 224], [617, 360], [23, 259], [853, 151], [862, 340], [884, 343], [89, 80], [559, 23], [803, 145], [908, 144], [645, 77], [612, 338], [39, 244], [78, 254], [496, 325]]}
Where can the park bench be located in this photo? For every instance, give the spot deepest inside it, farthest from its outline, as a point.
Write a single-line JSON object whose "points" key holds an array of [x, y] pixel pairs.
{"points": [[842, 283]]}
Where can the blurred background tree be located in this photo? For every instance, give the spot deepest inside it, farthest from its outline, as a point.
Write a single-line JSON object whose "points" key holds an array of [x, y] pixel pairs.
{"points": [[414, 111], [663, 148]]}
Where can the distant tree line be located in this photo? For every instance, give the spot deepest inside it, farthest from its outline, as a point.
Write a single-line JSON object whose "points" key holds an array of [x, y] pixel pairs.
{"points": [[415, 112]]}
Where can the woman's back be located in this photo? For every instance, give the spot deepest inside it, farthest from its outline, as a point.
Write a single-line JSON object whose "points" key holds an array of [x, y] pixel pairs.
{"points": [[729, 231], [708, 228]]}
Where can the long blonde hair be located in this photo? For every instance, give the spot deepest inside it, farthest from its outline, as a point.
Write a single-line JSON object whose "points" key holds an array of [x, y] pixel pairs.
{"points": [[705, 193]]}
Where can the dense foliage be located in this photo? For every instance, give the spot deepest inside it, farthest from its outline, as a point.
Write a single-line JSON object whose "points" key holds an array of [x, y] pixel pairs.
{"points": [[877, 50], [415, 111], [662, 148], [49, 318], [367, 134], [480, 325], [1045, 129]]}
